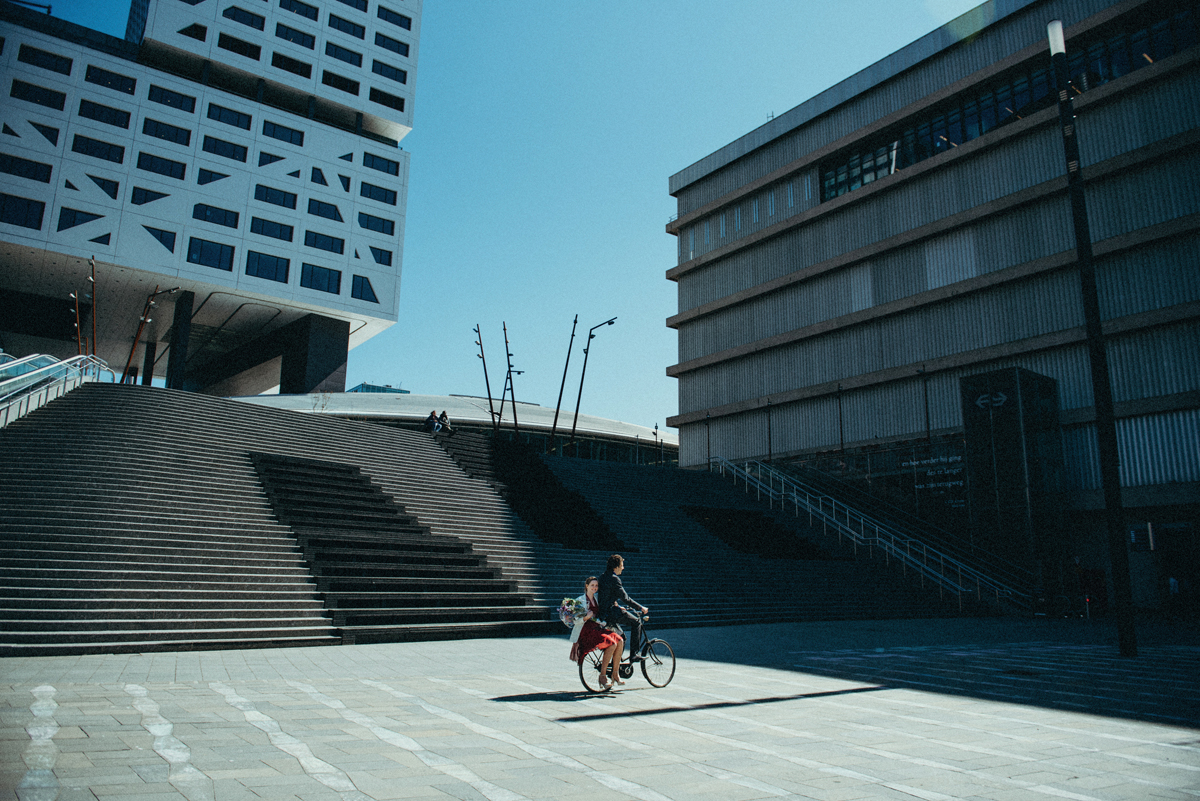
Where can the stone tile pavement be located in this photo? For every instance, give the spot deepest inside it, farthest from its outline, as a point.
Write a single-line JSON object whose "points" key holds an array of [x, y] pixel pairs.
{"points": [[976, 709]]}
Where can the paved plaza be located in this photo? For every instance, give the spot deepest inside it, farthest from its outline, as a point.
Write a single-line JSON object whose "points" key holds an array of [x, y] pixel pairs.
{"points": [[960, 709]]}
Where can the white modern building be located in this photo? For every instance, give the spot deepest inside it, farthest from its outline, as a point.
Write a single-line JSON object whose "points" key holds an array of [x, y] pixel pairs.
{"points": [[244, 154]]}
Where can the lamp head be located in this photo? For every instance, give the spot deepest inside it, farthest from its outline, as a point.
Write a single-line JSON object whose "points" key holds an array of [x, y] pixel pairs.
{"points": [[1058, 43]]}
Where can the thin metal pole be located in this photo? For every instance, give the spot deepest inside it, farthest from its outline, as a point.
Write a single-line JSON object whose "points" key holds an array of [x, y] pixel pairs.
{"points": [[92, 262], [563, 385], [486, 383], [512, 388], [841, 428], [769, 453], [138, 336], [583, 373]]}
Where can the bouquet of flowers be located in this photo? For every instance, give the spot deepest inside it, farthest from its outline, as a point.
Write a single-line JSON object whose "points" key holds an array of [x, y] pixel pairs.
{"points": [[569, 610]]}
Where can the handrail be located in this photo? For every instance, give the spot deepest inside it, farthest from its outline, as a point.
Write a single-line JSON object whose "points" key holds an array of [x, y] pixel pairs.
{"points": [[28, 391], [947, 572]]}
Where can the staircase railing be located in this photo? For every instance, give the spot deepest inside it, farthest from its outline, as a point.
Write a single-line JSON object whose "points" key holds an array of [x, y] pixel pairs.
{"points": [[950, 574], [28, 384]]}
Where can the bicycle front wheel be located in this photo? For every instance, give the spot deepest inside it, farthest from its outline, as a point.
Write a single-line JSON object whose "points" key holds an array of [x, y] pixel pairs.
{"points": [[589, 672], [659, 665]]}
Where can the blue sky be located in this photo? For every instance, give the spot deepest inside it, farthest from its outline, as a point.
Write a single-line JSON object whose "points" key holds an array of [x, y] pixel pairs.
{"points": [[544, 133]]}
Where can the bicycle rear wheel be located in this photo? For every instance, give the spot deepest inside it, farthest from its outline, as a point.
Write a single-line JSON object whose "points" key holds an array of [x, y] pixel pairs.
{"points": [[589, 672], [659, 665]]}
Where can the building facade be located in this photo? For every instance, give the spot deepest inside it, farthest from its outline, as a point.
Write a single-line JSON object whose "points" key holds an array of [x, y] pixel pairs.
{"points": [[849, 271], [244, 155]]}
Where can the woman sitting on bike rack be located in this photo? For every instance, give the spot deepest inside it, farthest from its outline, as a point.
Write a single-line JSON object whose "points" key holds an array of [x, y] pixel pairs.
{"points": [[589, 635]]}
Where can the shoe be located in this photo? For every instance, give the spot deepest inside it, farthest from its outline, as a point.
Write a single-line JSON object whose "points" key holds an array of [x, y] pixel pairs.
{"points": [[618, 682]]}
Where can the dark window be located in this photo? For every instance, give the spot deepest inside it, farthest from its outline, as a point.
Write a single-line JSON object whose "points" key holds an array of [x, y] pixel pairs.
{"points": [[166, 132], [173, 99], [322, 209], [261, 265], [377, 193], [69, 218], [339, 82], [321, 278], [387, 15], [388, 71], [97, 149], [105, 114], [342, 54], [157, 164], [288, 64], [219, 147], [45, 60], [278, 197], [387, 43], [195, 31], [228, 116], [385, 99], [345, 181], [142, 196], [210, 254], [208, 176], [38, 94], [165, 238], [283, 133], [275, 230], [373, 223], [51, 134], [361, 5], [296, 37], [234, 45], [107, 186], [324, 242], [296, 7], [346, 26], [318, 177], [382, 256], [381, 164], [33, 170], [21, 211], [215, 215], [265, 158], [110, 80], [360, 288], [245, 17]]}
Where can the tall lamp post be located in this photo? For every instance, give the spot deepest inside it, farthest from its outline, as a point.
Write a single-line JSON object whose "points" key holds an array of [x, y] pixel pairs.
{"points": [[1106, 427], [579, 397], [563, 385]]}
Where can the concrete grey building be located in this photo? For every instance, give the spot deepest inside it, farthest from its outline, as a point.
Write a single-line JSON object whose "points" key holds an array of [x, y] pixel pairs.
{"points": [[851, 271], [245, 155]]}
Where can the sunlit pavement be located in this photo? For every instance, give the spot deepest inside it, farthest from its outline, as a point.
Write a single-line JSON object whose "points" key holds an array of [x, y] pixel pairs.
{"points": [[872, 710]]}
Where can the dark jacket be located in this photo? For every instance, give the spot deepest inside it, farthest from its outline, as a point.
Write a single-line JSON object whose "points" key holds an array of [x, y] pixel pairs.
{"points": [[612, 590]]}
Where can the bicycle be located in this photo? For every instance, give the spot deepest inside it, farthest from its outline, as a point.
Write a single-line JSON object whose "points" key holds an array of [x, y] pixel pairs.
{"points": [[656, 656]]}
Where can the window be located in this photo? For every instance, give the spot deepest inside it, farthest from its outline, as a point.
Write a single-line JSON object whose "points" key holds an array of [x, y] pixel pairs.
{"points": [[321, 278], [195, 31], [51, 134], [707, 233], [107, 186], [791, 195], [233, 45], [265, 158], [737, 218], [296, 7], [278, 197], [754, 209], [157, 164], [110, 80], [339, 82], [33, 170], [342, 54], [288, 64], [324, 242], [381, 164], [345, 182], [210, 254], [105, 114], [208, 176], [70, 218], [294, 36], [373, 223], [215, 215], [346, 26], [166, 132], [382, 256], [165, 238], [385, 99], [97, 149], [228, 116], [173, 99], [360, 288], [283, 133], [275, 230], [37, 94], [387, 43], [262, 265], [45, 60], [387, 15], [219, 147], [770, 204], [377, 193], [722, 232], [318, 177], [361, 5], [322, 209], [388, 71], [21, 211], [142, 196], [244, 17]]}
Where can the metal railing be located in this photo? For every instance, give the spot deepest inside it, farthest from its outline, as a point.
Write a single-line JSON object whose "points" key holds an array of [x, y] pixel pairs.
{"points": [[28, 384], [948, 573]]}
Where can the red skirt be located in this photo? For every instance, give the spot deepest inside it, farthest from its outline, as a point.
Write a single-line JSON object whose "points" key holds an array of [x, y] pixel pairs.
{"points": [[591, 638]]}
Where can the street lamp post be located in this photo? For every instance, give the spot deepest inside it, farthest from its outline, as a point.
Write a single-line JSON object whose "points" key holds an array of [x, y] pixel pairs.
{"points": [[563, 385], [486, 383], [1106, 428], [583, 373]]}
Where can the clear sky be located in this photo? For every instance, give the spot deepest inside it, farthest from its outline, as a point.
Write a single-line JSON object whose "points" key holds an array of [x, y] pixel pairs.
{"points": [[544, 132]]}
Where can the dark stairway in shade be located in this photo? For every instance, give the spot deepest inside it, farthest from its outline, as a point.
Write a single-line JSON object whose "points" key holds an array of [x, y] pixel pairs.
{"points": [[384, 576]]}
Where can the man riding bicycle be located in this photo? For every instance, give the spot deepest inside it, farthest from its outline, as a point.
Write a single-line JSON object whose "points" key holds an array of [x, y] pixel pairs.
{"points": [[610, 593]]}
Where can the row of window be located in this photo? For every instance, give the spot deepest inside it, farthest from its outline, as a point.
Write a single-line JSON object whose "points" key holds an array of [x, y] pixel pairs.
{"points": [[311, 12], [309, 41], [61, 64]]}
